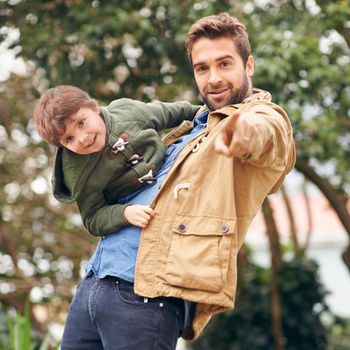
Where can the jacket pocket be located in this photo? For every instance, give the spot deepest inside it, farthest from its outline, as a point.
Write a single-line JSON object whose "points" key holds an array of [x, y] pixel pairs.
{"points": [[200, 252]]}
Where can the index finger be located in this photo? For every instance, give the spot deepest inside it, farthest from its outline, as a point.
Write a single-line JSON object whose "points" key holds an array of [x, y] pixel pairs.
{"points": [[231, 121]]}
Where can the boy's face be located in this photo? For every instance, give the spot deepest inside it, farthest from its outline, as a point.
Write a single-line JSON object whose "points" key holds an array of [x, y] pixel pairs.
{"points": [[85, 132]]}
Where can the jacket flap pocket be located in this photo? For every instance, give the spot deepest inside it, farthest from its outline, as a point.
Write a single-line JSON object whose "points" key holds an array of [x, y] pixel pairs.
{"points": [[203, 226], [200, 252]]}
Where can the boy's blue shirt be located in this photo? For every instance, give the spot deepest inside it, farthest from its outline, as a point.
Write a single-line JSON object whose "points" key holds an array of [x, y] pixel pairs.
{"points": [[116, 253]]}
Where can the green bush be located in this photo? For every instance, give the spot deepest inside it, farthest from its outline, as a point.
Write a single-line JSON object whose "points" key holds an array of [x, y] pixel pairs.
{"points": [[249, 325], [16, 333], [303, 304], [340, 339]]}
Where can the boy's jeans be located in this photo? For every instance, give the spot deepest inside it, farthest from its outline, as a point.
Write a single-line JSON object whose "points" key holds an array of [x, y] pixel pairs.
{"points": [[106, 314]]}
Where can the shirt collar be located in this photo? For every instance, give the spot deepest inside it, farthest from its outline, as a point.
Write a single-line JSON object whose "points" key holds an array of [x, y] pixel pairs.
{"points": [[201, 118]]}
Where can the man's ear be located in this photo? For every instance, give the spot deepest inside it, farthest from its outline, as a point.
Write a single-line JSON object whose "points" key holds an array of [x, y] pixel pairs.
{"points": [[249, 67]]}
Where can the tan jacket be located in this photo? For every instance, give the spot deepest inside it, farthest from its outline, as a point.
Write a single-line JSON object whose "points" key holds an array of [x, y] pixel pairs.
{"points": [[204, 208]]}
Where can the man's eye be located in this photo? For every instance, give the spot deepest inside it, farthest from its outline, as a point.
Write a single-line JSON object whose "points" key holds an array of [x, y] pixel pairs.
{"points": [[81, 122], [225, 64], [201, 69]]}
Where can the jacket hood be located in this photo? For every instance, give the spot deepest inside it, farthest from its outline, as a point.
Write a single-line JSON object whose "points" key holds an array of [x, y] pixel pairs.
{"points": [[258, 95], [70, 174]]}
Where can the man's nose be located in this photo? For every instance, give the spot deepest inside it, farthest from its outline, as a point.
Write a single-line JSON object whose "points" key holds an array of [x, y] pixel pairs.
{"points": [[214, 77]]}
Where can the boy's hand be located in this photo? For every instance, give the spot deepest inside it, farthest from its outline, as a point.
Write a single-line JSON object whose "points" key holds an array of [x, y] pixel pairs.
{"points": [[238, 137], [138, 215]]}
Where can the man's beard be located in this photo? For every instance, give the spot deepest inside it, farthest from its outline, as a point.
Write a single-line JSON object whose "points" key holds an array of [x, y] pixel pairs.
{"points": [[237, 95]]}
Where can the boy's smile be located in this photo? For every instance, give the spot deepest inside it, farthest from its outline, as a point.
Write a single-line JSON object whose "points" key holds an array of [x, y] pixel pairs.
{"points": [[85, 132]]}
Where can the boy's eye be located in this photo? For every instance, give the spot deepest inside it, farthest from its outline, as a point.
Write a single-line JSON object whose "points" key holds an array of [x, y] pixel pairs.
{"points": [[81, 122], [69, 139]]}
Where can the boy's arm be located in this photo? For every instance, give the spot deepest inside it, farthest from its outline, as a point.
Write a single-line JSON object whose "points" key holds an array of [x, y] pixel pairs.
{"points": [[138, 215], [164, 115], [99, 217]]}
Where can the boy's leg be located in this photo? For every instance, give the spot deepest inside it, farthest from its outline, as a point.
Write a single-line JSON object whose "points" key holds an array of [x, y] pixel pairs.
{"points": [[80, 332]]}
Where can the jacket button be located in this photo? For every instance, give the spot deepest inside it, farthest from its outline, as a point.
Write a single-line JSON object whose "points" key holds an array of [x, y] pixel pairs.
{"points": [[182, 228], [224, 229]]}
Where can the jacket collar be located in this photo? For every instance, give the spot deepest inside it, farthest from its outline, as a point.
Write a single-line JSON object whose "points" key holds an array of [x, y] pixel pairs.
{"points": [[215, 116]]}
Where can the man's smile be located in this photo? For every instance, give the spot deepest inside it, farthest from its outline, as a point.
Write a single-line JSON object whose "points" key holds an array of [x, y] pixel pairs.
{"points": [[217, 92]]}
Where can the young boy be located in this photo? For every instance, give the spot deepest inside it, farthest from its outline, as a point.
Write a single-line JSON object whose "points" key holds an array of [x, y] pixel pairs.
{"points": [[105, 153]]}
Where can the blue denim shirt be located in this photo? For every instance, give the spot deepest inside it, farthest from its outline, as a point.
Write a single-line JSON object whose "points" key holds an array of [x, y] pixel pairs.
{"points": [[116, 253]]}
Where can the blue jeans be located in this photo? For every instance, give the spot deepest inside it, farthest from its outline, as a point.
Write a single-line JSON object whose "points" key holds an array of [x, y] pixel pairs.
{"points": [[106, 314]]}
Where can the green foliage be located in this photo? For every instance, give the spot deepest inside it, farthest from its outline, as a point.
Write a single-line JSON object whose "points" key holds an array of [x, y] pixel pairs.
{"points": [[19, 329], [17, 334], [303, 61], [303, 304], [112, 49], [340, 339], [249, 325], [136, 49]]}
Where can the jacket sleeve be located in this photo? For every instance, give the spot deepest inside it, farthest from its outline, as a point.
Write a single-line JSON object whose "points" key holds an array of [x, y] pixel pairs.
{"points": [[99, 217], [276, 147], [163, 115], [275, 141]]}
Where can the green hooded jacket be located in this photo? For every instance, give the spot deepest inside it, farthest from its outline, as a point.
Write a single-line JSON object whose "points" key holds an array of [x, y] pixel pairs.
{"points": [[133, 153]]}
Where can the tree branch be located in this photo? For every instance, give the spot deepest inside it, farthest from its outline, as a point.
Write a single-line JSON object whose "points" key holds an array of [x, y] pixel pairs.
{"points": [[335, 198]]}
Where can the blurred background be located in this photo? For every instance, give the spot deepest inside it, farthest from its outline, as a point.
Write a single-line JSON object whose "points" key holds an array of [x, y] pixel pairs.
{"points": [[294, 285]]}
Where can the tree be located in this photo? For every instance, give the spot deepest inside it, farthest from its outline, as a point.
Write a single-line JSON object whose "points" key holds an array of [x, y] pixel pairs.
{"points": [[135, 49], [303, 60]]}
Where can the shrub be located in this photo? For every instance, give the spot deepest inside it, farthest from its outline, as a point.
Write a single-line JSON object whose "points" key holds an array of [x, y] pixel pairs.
{"points": [[249, 325]]}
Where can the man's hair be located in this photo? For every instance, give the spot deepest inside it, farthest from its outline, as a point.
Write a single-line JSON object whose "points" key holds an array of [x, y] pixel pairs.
{"points": [[222, 25], [55, 106]]}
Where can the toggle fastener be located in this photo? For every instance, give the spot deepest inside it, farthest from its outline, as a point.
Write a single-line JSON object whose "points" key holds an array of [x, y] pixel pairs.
{"points": [[179, 187], [148, 178], [133, 160], [119, 146]]}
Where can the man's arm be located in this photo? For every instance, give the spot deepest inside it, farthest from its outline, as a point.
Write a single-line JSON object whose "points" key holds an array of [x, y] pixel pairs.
{"points": [[261, 134], [238, 137]]}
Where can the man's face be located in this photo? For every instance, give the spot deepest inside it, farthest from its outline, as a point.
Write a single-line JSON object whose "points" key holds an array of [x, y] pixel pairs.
{"points": [[219, 71], [85, 132]]}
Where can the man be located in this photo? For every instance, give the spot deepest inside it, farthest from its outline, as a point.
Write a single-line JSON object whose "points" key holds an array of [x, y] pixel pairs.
{"points": [[217, 172]]}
